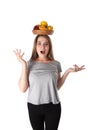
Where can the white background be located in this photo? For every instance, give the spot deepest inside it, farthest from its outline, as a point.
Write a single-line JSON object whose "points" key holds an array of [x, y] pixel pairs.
{"points": [[70, 21]]}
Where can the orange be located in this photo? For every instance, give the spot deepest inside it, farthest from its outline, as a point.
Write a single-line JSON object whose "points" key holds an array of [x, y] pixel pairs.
{"points": [[50, 27], [42, 27]]}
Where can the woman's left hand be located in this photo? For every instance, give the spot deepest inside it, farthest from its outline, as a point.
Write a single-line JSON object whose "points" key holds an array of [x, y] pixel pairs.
{"points": [[77, 68]]}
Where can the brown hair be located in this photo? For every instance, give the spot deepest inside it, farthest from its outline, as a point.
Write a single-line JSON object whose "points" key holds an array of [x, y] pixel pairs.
{"points": [[34, 55]]}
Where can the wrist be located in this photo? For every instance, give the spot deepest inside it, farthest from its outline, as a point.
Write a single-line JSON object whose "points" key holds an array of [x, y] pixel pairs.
{"points": [[24, 65], [69, 70]]}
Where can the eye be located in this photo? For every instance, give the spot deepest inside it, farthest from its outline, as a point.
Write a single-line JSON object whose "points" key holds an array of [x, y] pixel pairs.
{"points": [[46, 44], [38, 43]]}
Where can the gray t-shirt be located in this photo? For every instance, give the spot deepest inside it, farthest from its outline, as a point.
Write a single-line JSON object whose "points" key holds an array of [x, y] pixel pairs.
{"points": [[43, 78]]}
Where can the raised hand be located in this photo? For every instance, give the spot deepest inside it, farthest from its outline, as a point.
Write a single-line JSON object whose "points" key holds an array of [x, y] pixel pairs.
{"points": [[77, 68], [19, 55]]}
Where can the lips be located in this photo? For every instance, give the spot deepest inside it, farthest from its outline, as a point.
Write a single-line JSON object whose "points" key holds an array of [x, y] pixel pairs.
{"points": [[42, 52]]}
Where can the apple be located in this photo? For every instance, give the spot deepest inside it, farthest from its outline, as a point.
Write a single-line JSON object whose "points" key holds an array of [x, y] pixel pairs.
{"points": [[36, 27]]}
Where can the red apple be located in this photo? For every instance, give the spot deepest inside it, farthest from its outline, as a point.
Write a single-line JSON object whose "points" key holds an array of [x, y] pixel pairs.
{"points": [[36, 27]]}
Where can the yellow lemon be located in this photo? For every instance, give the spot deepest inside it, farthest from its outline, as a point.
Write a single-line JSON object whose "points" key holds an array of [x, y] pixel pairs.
{"points": [[44, 23]]}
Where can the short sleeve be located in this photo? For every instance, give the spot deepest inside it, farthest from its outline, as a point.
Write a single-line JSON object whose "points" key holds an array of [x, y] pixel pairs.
{"points": [[59, 67], [28, 65]]}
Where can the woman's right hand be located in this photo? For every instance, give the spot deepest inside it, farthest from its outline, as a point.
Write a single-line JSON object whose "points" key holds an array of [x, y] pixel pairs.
{"points": [[19, 56]]}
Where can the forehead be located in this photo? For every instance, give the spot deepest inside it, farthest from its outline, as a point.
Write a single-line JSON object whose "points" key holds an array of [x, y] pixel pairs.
{"points": [[43, 39]]}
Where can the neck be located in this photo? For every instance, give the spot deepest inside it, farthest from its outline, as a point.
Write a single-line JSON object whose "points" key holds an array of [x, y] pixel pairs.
{"points": [[43, 59]]}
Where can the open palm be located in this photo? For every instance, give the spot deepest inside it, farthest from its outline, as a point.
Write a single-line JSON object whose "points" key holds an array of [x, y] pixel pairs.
{"points": [[19, 56]]}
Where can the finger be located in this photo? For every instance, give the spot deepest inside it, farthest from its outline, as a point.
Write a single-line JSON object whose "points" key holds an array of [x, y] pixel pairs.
{"points": [[75, 65], [22, 54], [19, 51], [15, 52], [82, 66], [76, 68]]}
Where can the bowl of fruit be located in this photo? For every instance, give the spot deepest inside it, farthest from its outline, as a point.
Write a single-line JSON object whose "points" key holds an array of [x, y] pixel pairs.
{"points": [[43, 28]]}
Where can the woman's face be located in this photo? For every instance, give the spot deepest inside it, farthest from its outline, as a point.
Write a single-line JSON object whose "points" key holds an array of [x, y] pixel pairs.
{"points": [[42, 47]]}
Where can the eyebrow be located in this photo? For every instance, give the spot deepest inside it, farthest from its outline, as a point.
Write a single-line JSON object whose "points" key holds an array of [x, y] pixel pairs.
{"points": [[38, 41], [44, 42]]}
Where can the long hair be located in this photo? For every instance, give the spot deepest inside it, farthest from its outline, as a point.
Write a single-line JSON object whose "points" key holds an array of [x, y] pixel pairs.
{"points": [[34, 55]]}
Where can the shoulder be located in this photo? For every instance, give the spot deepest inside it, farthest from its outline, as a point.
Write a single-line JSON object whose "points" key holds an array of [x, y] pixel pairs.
{"points": [[58, 64], [29, 63]]}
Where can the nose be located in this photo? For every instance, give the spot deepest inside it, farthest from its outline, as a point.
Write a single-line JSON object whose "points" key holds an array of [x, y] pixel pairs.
{"points": [[42, 46]]}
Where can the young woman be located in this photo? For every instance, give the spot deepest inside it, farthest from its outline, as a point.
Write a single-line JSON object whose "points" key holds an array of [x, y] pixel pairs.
{"points": [[42, 75]]}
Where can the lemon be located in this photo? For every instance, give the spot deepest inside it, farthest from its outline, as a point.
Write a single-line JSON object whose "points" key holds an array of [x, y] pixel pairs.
{"points": [[44, 23]]}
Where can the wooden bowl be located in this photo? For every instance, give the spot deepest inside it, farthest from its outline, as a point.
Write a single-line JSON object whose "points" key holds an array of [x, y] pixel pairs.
{"points": [[43, 32]]}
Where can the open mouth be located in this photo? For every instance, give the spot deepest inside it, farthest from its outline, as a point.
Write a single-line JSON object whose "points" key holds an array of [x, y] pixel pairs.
{"points": [[42, 52]]}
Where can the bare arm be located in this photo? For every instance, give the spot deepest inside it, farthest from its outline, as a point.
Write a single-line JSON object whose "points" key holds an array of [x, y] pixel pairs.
{"points": [[23, 80], [62, 79]]}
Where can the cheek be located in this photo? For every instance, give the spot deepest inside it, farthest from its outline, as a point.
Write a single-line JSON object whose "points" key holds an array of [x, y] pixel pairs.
{"points": [[37, 48], [47, 49]]}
